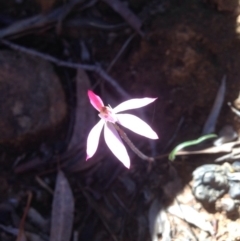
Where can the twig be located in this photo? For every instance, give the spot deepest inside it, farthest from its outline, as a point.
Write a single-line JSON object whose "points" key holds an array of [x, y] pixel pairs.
{"points": [[234, 110], [131, 145], [96, 68], [93, 204], [126, 14], [38, 21], [121, 203], [22, 223], [174, 134], [68, 9], [120, 51], [44, 185]]}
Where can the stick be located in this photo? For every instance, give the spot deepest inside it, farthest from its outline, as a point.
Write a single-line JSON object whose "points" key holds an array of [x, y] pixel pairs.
{"points": [[88, 67]]}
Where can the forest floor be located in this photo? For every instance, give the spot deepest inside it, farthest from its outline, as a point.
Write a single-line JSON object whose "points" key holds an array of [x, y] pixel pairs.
{"points": [[177, 51]]}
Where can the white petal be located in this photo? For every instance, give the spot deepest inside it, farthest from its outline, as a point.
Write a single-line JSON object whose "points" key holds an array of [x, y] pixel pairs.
{"points": [[93, 139], [133, 104], [136, 125], [115, 144]]}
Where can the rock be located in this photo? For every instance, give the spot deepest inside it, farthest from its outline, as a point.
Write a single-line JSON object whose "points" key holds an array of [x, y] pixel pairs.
{"points": [[207, 194], [32, 99], [228, 205], [236, 165], [234, 190], [210, 183]]}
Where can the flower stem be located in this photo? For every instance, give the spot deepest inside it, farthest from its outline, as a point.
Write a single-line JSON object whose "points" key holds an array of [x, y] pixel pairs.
{"points": [[131, 145]]}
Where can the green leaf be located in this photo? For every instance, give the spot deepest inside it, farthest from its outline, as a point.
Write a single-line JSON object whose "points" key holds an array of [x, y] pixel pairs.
{"points": [[185, 144]]}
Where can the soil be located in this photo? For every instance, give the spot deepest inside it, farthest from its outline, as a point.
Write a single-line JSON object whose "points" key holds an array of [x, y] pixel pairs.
{"points": [[187, 53]]}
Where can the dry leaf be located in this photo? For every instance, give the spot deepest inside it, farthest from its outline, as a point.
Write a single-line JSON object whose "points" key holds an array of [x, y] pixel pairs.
{"points": [[62, 210], [190, 215], [158, 222], [85, 116], [85, 119], [209, 126], [37, 219]]}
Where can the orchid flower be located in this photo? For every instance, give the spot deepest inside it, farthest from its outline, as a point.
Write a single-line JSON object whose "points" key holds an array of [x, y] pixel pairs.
{"points": [[108, 117]]}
